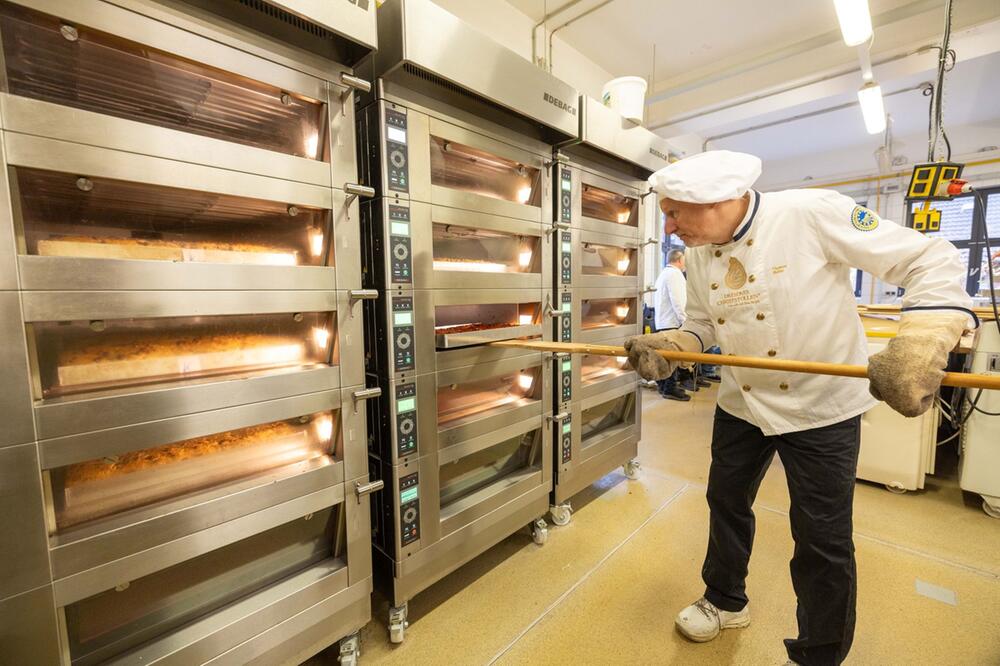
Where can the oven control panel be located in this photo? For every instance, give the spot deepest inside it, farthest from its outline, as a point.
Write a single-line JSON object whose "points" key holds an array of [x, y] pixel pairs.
{"points": [[565, 257], [406, 419], [564, 321], [400, 250], [409, 509], [402, 333], [565, 195], [566, 440], [396, 161], [564, 373]]}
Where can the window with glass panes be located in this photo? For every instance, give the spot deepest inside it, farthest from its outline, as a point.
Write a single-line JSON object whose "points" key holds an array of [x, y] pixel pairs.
{"points": [[963, 222]]}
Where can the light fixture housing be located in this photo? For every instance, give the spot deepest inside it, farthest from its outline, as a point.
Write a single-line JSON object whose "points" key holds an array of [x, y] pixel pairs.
{"points": [[855, 21], [872, 107]]}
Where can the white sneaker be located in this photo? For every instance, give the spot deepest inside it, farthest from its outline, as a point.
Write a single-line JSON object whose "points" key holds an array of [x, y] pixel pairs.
{"points": [[702, 621]]}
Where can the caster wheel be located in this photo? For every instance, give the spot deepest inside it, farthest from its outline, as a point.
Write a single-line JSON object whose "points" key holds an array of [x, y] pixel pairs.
{"points": [[990, 510], [539, 532], [561, 514], [350, 650], [632, 469], [895, 488], [397, 623]]}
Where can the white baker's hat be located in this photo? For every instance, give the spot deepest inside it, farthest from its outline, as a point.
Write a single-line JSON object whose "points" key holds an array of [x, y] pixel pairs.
{"points": [[709, 177]]}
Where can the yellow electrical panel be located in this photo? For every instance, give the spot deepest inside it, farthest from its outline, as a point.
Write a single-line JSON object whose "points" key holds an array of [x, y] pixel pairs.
{"points": [[926, 218], [928, 180]]}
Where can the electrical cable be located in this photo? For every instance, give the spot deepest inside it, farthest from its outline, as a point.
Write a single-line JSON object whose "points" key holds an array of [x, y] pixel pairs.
{"points": [[936, 132]]}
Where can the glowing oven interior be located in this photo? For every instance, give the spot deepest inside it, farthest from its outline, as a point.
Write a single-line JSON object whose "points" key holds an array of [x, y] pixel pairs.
{"points": [[483, 469], [595, 368], [461, 325], [615, 413], [117, 620], [458, 404], [64, 215], [458, 248], [610, 206], [74, 357], [598, 313], [90, 70], [116, 484], [608, 260], [460, 167]]}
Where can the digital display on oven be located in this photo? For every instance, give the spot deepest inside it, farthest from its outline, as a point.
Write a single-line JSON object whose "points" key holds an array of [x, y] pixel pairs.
{"points": [[409, 494], [402, 318], [567, 365], [406, 404], [396, 134], [400, 229], [566, 427]]}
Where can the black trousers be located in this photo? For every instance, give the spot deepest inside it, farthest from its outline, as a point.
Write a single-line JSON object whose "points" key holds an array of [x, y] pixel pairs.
{"points": [[820, 465]]}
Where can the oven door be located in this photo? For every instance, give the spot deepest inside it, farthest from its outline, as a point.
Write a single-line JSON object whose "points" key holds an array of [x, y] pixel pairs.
{"points": [[603, 421], [291, 577], [606, 260], [144, 86], [92, 218], [594, 374], [605, 206], [461, 167], [462, 249], [109, 359], [453, 326], [603, 313]]}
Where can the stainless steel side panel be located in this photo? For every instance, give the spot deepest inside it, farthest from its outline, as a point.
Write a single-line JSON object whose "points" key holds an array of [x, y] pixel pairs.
{"points": [[106, 576], [68, 306], [30, 116], [29, 630], [23, 542], [56, 418], [606, 130], [8, 250], [472, 60], [350, 340], [15, 391]]}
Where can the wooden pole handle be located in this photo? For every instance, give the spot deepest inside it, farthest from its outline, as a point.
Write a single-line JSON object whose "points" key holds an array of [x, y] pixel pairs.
{"points": [[957, 379]]}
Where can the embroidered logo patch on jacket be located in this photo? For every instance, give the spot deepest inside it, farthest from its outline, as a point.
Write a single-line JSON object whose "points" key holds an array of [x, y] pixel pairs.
{"points": [[863, 219], [736, 276]]}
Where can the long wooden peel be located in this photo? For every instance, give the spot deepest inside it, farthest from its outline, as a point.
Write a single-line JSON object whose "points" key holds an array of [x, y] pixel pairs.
{"points": [[957, 379]]}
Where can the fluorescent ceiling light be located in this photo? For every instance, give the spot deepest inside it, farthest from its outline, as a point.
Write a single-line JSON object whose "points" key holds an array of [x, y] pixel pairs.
{"points": [[855, 21], [870, 98]]}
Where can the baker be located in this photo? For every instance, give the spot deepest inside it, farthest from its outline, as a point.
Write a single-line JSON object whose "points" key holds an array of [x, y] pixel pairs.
{"points": [[768, 276]]}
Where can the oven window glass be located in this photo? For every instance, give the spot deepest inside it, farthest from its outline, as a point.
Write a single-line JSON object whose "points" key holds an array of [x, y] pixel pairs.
{"points": [[498, 463], [113, 622], [606, 416], [465, 325], [595, 368], [610, 206], [608, 260], [458, 248], [64, 215], [112, 485], [75, 357], [93, 71], [601, 313], [460, 167], [463, 403]]}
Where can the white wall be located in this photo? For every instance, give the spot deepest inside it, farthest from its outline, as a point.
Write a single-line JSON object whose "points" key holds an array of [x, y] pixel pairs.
{"points": [[512, 28]]}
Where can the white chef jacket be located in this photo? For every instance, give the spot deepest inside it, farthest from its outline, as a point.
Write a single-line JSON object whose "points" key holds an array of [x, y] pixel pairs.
{"points": [[781, 289], [671, 298]]}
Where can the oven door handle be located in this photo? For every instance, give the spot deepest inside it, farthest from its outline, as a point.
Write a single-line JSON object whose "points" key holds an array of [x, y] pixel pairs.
{"points": [[365, 394], [363, 489], [648, 241], [650, 288], [352, 83], [362, 295], [355, 190], [559, 418]]}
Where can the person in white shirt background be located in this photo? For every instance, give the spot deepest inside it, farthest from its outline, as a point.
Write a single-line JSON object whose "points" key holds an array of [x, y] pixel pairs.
{"points": [[768, 276], [671, 301]]}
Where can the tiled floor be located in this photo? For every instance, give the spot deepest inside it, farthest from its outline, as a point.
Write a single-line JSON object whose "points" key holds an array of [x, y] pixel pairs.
{"points": [[605, 588]]}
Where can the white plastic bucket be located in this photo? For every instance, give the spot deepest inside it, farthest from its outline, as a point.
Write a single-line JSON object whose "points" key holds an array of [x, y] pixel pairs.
{"points": [[626, 95]]}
